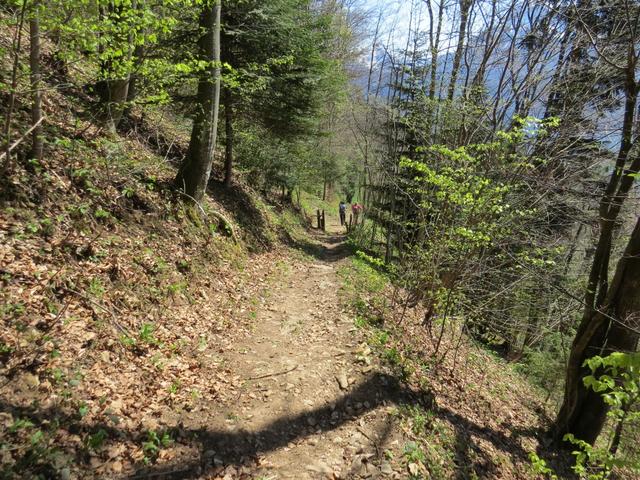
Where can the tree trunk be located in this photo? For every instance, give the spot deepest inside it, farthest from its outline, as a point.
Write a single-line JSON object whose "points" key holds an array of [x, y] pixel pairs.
{"points": [[465, 7], [607, 306], [134, 78], [611, 328], [113, 92], [36, 81], [113, 96], [15, 51], [194, 172], [228, 125], [324, 188], [434, 44]]}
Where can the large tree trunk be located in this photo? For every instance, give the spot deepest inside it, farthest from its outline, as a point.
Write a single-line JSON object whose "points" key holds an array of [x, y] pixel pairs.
{"points": [[36, 81], [228, 123], [612, 328], [134, 79], [194, 172], [113, 97]]}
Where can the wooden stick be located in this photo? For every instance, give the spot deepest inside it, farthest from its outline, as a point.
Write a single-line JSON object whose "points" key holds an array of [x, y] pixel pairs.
{"points": [[21, 139], [273, 374]]}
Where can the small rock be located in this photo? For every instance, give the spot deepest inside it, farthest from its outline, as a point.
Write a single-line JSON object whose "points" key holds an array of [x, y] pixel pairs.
{"points": [[311, 421], [65, 474], [31, 380], [414, 469], [386, 469], [343, 382], [104, 355], [320, 467], [116, 466]]}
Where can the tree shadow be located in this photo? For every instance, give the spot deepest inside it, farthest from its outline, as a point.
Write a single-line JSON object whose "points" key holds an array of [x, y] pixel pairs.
{"points": [[324, 247], [239, 448], [471, 459], [222, 448], [474, 462], [233, 448]]}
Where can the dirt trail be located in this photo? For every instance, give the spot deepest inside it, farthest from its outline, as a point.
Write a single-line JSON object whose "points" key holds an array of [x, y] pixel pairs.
{"points": [[309, 407]]}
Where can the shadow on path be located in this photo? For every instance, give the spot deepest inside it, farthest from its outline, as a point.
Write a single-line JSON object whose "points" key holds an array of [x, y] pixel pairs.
{"points": [[242, 447], [326, 247]]}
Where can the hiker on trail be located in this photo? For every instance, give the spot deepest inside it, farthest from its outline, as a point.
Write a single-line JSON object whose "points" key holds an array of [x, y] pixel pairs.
{"points": [[356, 208], [343, 212]]}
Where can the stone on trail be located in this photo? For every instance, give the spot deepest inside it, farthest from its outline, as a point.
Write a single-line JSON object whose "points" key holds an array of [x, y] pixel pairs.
{"points": [[343, 382], [386, 469], [320, 467]]}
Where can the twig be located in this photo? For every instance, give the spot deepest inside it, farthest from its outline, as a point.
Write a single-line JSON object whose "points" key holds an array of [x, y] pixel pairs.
{"points": [[21, 139], [124, 330], [272, 374], [168, 151]]}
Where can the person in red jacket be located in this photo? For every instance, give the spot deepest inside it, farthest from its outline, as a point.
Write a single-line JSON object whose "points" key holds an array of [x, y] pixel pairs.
{"points": [[356, 209]]}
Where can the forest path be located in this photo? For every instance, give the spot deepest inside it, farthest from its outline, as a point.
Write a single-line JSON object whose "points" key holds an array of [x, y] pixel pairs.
{"points": [[309, 406]]}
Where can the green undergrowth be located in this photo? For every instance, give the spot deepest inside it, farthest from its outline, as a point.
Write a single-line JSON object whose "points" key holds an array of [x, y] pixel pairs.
{"points": [[310, 203], [428, 450], [433, 446]]}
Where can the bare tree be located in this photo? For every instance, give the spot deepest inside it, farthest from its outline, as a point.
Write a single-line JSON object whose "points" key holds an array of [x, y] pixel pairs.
{"points": [[465, 8]]}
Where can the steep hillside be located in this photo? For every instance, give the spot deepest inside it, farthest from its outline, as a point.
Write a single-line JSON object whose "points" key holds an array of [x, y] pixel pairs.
{"points": [[116, 297]]}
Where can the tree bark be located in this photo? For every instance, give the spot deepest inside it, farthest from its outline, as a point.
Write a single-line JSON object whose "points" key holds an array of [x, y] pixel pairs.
{"points": [[15, 51], [36, 81], [228, 124], [113, 96], [194, 172]]}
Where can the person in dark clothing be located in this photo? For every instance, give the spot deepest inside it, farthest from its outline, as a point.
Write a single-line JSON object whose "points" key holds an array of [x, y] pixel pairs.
{"points": [[343, 212]]}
